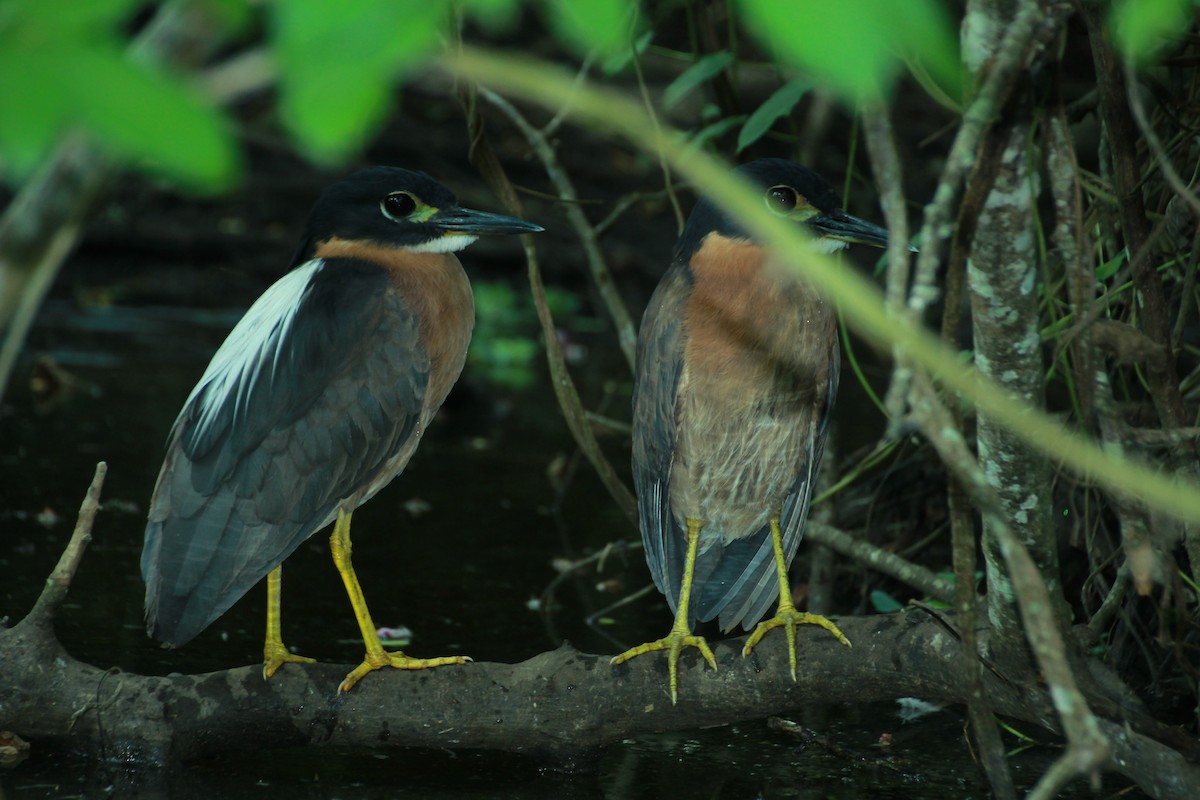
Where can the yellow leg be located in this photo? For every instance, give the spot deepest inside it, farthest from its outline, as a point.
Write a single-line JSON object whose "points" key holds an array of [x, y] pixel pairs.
{"points": [[787, 615], [376, 657], [275, 654], [681, 633]]}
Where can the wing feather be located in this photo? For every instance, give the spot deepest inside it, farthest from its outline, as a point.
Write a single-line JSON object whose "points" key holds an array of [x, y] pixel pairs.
{"points": [[659, 364], [281, 430]]}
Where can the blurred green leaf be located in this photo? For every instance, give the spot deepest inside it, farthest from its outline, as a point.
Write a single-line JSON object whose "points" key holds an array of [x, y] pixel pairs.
{"points": [[338, 62], [234, 16], [779, 104], [622, 58], [591, 25], [1110, 267], [504, 349], [493, 14], [32, 113], [39, 23], [856, 46], [497, 305], [714, 131], [1143, 27], [148, 117], [884, 603], [697, 74], [562, 304], [940, 94], [64, 64]]}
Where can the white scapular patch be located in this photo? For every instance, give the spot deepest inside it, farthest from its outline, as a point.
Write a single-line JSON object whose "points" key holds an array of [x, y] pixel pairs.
{"points": [[253, 344], [446, 243]]}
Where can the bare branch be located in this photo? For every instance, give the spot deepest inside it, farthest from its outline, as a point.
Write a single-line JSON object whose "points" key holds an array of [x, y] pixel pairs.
{"points": [[64, 572]]}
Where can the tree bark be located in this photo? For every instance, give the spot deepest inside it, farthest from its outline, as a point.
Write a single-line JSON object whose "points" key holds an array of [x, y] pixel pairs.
{"points": [[562, 706]]}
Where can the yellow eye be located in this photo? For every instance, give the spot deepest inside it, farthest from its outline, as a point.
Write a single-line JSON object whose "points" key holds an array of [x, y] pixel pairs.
{"points": [[398, 205], [782, 199]]}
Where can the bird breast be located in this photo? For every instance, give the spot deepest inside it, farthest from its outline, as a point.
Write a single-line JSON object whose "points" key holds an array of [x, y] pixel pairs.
{"points": [[435, 289], [752, 391], [439, 294]]}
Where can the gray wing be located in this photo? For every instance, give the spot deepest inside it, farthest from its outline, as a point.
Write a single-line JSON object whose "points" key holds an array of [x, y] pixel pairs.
{"points": [[315, 390], [744, 585], [659, 363]]}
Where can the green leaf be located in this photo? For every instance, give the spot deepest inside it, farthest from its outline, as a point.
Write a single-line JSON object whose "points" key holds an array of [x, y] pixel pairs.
{"points": [[855, 46], [53, 22], [884, 603], [338, 62], [701, 72], [1143, 27], [563, 304], [622, 58], [714, 131], [133, 111], [148, 117], [591, 25], [63, 65], [779, 104], [33, 111], [234, 16], [494, 15], [1110, 267]]}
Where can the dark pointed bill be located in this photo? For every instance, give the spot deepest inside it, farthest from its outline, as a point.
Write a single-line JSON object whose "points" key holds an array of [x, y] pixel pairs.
{"points": [[469, 222], [849, 228]]}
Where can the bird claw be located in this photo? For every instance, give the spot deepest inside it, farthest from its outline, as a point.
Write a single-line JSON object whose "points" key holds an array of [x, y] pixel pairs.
{"points": [[673, 643], [276, 654], [790, 618], [397, 660]]}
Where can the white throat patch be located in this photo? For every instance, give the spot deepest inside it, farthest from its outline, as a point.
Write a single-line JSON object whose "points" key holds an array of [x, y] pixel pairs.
{"points": [[447, 243], [827, 245]]}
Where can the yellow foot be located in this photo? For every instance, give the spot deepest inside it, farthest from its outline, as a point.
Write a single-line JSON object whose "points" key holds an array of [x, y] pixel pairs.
{"points": [[275, 655], [790, 618], [674, 644], [397, 660]]}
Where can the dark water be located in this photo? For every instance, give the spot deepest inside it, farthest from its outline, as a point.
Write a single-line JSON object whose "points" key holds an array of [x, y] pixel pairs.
{"points": [[744, 761], [462, 575]]}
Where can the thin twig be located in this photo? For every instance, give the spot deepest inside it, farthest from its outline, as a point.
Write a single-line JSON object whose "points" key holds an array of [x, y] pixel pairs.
{"points": [[1155, 144], [1186, 295], [1112, 601], [885, 162], [601, 275], [60, 579], [560, 116], [568, 397], [662, 159], [484, 157], [622, 205], [880, 560]]}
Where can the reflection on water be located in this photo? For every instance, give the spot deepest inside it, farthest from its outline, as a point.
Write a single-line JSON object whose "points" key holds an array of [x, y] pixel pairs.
{"points": [[926, 760]]}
